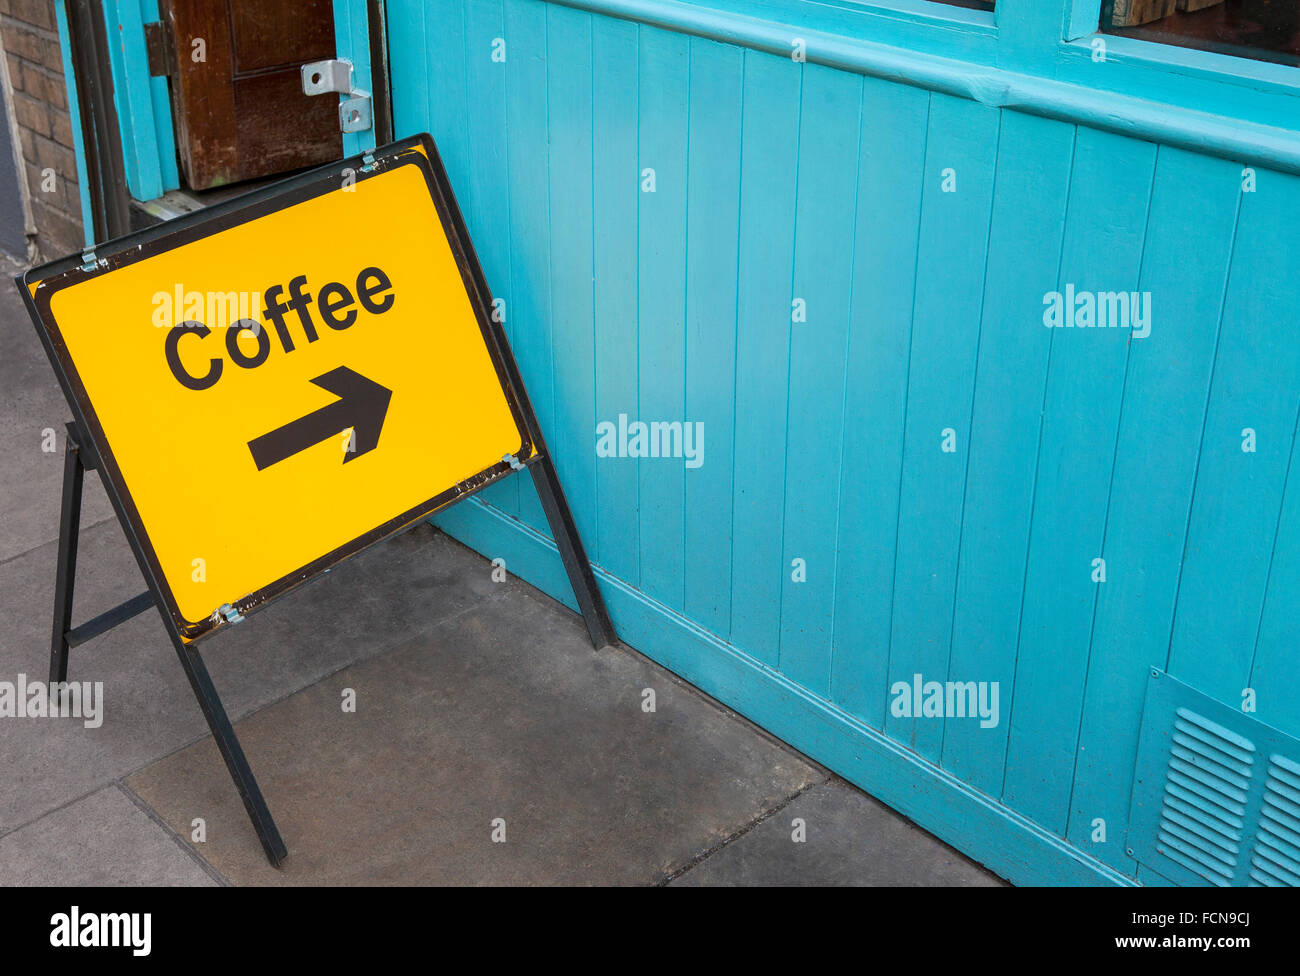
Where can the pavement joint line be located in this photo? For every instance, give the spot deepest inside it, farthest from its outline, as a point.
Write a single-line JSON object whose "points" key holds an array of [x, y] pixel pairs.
{"points": [[176, 838], [700, 858], [48, 542], [5, 832]]}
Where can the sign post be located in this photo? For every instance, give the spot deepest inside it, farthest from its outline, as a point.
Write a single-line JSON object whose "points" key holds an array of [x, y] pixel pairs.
{"points": [[270, 385]]}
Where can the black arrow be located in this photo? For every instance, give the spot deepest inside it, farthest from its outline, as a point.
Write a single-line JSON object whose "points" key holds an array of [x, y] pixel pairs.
{"points": [[362, 405]]}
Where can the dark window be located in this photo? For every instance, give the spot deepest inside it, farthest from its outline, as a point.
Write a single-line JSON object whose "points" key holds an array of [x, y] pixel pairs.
{"points": [[1266, 30]]}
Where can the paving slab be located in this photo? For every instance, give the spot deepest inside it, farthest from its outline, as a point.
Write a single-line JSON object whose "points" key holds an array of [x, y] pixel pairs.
{"points": [[504, 713], [104, 839], [848, 839], [374, 601]]}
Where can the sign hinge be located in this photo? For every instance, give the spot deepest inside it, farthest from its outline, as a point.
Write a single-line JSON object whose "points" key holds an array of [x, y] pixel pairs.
{"points": [[335, 75], [513, 461], [230, 614], [88, 259]]}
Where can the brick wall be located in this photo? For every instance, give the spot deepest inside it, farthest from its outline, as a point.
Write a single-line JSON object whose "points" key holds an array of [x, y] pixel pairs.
{"points": [[30, 40]]}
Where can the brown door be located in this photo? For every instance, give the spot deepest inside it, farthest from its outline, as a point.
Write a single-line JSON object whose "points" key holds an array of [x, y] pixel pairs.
{"points": [[237, 98]]}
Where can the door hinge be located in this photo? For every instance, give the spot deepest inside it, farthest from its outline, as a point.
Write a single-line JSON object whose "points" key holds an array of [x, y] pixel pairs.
{"points": [[335, 75], [161, 52]]}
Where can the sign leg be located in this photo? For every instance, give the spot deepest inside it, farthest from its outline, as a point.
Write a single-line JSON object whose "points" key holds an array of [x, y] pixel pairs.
{"points": [[581, 578], [231, 751], [66, 572]]}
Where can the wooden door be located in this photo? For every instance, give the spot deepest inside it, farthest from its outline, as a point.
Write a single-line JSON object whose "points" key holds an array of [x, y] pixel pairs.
{"points": [[237, 99]]}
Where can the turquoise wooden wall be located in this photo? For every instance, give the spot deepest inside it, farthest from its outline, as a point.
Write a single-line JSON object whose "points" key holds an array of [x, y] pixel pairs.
{"points": [[775, 181]]}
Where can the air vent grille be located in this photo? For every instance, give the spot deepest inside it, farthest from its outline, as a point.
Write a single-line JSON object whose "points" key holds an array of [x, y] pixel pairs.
{"points": [[1216, 796], [1276, 862]]}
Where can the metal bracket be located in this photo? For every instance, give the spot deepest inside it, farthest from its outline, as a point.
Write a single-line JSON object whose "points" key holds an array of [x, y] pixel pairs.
{"points": [[335, 75], [513, 461], [331, 75], [354, 113], [88, 259]]}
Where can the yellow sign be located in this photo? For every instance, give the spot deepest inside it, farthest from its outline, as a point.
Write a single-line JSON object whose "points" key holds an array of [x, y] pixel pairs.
{"points": [[274, 388]]}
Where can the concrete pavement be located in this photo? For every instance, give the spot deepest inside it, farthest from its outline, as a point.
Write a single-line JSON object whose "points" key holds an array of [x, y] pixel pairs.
{"points": [[489, 744]]}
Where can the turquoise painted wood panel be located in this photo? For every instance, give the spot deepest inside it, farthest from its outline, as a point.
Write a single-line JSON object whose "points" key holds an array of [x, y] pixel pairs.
{"points": [[408, 75], [616, 195], [769, 173], [775, 180], [1025, 233], [713, 195], [960, 160], [1238, 495], [449, 111], [573, 363], [664, 119], [1110, 189], [891, 160], [821, 289], [528, 186], [489, 221], [1163, 408], [1275, 673]]}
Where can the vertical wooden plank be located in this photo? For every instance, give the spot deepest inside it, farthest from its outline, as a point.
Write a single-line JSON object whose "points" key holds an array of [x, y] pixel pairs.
{"points": [[1109, 192], [661, 303], [1151, 486], [489, 223], [713, 192], [617, 196], [830, 123], [1025, 234], [569, 92], [891, 166], [769, 150], [1238, 494], [530, 210], [1275, 675], [448, 99], [960, 159], [410, 80]]}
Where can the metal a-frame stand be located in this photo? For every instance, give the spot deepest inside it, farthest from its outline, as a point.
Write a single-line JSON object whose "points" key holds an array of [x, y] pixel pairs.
{"points": [[77, 460]]}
